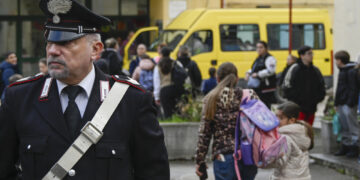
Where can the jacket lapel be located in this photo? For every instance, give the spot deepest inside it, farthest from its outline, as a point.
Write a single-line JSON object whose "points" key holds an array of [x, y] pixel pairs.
{"points": [[94, 99], [51, 111]]}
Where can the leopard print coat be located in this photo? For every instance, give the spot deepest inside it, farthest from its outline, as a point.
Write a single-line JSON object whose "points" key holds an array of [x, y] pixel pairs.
{"points": [[222, 127]]}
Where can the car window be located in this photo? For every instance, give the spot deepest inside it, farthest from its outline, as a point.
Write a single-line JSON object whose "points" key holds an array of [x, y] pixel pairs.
{"points": [[200, 42], [239, 37]]}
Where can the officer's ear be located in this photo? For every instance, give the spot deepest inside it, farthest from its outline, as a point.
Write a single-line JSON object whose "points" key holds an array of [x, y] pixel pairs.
{"points": [[97, 48]]}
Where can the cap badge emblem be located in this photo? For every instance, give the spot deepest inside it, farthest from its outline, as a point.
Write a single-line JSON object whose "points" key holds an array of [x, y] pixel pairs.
{"points": [[59, 6]]}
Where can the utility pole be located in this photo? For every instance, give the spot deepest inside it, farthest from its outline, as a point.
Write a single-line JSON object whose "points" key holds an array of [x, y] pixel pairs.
{"points": [[290, 26]]}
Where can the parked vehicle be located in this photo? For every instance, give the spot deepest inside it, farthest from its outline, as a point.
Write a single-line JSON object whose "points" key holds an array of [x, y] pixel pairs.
{"points": [[219, 35]]}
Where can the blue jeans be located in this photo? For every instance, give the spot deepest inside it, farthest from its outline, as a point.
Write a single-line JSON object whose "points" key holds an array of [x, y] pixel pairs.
{"points": [[226, 170], [349, 125]]}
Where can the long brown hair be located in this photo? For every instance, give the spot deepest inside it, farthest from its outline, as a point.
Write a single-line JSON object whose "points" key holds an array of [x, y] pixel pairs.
{"points": [[227, 76], [165, 65]]}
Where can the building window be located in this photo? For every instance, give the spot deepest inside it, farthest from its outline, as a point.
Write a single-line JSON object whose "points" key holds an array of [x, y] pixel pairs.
{"points": [[108, 7], [30, 7], [33, 41], [239, 37], [312, 35], [8, 7], [200, 42], [7, 36], [134, 7]]}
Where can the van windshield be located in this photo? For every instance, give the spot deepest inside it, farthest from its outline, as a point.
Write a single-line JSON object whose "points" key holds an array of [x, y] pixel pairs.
{"points": [[170, 37]]}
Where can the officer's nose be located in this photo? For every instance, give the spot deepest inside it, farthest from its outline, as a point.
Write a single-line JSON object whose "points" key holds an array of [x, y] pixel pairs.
{"points": [[53, 49]]}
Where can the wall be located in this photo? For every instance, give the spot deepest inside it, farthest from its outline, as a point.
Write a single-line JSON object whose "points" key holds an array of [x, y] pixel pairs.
{"points": [[180, 139], [346, 29], [156, 11]]}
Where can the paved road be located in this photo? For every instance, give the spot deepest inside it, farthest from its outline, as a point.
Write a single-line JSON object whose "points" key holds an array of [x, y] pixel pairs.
{"points": [[184, 170]]}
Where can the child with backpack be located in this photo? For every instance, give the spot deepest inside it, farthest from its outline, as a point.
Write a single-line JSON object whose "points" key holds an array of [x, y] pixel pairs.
{"points": [[294, 164], [218, 121]]}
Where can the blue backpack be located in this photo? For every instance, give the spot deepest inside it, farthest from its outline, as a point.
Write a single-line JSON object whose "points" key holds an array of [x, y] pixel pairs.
{"points": [[146, 79]]}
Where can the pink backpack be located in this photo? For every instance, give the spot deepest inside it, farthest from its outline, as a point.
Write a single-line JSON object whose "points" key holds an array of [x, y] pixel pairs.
{"points": [[260, 143]]}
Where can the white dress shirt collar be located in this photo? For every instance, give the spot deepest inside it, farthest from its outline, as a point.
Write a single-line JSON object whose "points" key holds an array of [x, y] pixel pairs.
{"points": [[87, 83]]}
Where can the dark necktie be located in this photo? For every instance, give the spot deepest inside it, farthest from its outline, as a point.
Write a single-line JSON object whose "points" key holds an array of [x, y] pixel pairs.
{"points": [[72, 113]]}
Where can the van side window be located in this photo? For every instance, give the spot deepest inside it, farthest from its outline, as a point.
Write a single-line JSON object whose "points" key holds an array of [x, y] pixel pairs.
{"points": [[312, 35], [239, 37], [200, 42]]}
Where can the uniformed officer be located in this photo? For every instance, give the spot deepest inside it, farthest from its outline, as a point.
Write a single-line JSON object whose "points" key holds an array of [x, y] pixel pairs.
{"points": [[42, 116]]}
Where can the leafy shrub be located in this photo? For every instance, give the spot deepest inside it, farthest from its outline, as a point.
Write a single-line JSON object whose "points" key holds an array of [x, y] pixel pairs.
{"points": [[189, 108]]}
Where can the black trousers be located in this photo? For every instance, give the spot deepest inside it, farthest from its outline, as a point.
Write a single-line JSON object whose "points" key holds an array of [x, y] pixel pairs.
{"points": [[169, 97]]}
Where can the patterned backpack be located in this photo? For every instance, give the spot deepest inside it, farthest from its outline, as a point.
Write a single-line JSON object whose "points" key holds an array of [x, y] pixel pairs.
{"points": [[260, 143]]}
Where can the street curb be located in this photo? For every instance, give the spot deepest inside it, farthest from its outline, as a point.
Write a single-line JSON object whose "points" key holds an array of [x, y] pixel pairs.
{"points": [[341, 164]]}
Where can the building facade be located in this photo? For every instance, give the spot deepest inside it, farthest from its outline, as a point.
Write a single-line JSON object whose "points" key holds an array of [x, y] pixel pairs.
{"points": [[21, 26]]}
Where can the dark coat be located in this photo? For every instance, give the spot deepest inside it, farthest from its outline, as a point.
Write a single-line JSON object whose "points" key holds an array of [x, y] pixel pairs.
{"points": [[103, 65], [283, 74], [209, 84], [347, 90], [8, 70], [307, 87], [114, 60], [133, 64], [132, 131], [193, 71]]}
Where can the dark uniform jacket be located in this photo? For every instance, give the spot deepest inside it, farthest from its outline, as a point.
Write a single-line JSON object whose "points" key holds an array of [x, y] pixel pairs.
{"points": [[347, 87], [306, 86], [33, 131]]}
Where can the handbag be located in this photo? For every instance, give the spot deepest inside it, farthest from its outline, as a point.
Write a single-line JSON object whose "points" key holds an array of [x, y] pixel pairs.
{"points": [[253, 83]]}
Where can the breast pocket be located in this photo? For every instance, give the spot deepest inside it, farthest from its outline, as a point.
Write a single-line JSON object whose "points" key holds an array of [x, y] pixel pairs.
{"points": [[112, 160], [32, 151]]}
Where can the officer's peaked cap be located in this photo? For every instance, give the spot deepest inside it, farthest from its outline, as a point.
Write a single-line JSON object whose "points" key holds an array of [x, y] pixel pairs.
{"points": [[69, 20]]}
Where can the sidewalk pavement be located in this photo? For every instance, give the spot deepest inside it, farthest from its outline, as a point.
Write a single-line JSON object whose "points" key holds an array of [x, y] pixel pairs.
{"points": [[342, 164], [185, 170], [347, 166]]}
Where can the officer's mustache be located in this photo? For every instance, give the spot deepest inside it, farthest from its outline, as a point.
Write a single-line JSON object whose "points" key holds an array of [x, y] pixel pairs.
{"points": [[52, 59]]}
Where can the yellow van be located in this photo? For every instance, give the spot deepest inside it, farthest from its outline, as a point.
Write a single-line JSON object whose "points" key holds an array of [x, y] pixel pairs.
{"points": [[220, 35]]}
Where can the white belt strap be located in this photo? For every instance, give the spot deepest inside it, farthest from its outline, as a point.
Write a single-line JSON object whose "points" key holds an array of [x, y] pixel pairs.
{"points": [[91, 133]]}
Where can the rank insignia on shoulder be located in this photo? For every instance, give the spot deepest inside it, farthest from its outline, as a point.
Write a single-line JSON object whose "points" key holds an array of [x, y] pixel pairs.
{"points": [[27, 79], [127, 80], [46, 88]]}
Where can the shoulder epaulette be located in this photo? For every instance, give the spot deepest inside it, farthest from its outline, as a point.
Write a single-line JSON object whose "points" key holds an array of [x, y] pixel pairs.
{"points": [[127, 80], [27, 79]]}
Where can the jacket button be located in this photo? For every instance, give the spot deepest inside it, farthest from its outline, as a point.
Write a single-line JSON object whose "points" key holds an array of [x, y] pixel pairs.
{"points": [[72, 172], [29, 147], [113, 152]]}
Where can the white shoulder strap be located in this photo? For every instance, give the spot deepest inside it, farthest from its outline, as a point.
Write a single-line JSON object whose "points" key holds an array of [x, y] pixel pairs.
{"points": [[91, 133], [288, 76]]}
